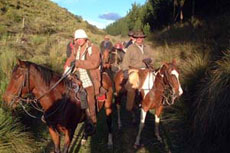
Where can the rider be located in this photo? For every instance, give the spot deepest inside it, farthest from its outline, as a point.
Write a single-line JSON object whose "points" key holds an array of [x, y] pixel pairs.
{"points": [[86, 58], [138, 55], [106, 44]]}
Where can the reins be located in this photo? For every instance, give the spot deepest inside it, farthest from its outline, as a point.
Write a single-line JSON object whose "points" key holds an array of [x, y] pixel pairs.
{"points": [[35, 101]]}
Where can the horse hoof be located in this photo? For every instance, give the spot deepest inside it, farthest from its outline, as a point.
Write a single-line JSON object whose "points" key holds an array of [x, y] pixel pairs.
{"points": [[119, 126], [134, 122], [83, 142], [110, 146], [136, 146], [159, 139]]}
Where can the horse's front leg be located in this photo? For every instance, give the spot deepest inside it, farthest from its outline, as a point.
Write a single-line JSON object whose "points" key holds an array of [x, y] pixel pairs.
{"points": [[118, 105], [131, 93], [108, 111], [68, 138], [157, 123], [56, 139], [141, 126]]}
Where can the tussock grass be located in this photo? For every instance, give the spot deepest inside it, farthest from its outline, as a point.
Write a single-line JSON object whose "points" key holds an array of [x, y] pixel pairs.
{"points": [[211, 115], [7, 62], [13, 137]]}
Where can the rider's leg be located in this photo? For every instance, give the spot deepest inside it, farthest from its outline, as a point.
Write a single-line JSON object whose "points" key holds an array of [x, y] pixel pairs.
{"points": [[91, 103], [130, 97]]}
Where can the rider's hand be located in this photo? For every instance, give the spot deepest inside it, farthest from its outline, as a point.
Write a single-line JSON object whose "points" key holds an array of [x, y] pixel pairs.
{"points": [[147, 61], [126, 74], [72, 64]]}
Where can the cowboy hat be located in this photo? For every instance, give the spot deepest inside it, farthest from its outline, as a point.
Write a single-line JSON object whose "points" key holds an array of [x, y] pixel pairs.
{"points": [[139, 34]]}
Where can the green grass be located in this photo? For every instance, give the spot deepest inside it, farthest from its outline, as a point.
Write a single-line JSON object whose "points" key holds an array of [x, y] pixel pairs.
{"points": [[13, 137]]}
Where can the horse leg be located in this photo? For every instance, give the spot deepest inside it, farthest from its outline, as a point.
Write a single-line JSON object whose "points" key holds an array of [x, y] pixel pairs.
{"points": [[108, 111], [68, 138], [157, 123], [56, 139], [84, 138], [141, 126], [118, 105], [118, 94], [130, 103]]}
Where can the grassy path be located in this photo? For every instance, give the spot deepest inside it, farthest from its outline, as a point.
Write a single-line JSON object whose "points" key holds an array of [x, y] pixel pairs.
{"points": [[123, 139]]}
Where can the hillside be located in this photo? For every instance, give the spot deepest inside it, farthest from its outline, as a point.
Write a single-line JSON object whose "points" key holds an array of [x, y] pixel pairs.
{"points": [[39, 17], [39, 30]]}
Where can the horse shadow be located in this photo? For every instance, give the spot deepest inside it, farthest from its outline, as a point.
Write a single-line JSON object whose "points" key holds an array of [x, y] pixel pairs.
{"points": [[123, 139]]}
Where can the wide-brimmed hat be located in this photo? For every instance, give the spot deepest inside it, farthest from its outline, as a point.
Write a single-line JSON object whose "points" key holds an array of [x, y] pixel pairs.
{"points": [[80, 33], [139, 34], [130, 33], [106, 37]]}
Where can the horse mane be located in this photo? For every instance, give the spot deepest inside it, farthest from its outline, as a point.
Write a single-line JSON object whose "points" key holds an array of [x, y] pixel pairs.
{"points": [[46, 73]]}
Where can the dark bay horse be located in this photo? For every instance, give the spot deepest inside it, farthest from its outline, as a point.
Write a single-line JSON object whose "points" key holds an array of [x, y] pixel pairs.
{"points": [[59, 104], [158, 88]]}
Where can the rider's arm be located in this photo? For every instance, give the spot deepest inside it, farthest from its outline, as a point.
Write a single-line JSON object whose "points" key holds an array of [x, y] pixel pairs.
{"points": [[126, 61], [68, 61]]}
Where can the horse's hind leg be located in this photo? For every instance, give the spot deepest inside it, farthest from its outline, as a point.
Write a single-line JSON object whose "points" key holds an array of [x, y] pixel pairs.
{"points": [[68, 138], [157, 123], [84, 138], [119, 116], [56, 139], [108, 111]]}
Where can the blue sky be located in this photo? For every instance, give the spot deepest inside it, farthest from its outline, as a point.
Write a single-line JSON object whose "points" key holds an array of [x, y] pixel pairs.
{"points": [[99, 12]]}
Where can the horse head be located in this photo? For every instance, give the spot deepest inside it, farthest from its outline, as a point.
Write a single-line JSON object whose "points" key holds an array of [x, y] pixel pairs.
{"points": [[19, 84], [170, 75]]}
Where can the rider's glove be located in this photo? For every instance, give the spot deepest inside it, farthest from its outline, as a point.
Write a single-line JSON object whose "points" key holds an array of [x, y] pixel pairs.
{"points": [[126, 74], [147, 61], [72, 64]]}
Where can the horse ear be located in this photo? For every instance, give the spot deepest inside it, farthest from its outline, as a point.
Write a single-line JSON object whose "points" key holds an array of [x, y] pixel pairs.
{"points": [[174, 61], [21, 63]]}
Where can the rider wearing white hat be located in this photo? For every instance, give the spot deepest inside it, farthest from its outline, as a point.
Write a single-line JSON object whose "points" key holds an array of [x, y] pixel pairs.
{"points": [[86, 58]]}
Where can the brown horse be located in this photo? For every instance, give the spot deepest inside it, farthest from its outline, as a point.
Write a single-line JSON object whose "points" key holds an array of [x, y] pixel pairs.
{"points": [[60, 106], [158, 88], [112, 59]]}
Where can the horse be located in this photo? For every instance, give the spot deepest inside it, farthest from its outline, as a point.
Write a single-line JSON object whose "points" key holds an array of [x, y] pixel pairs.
{"points": [[61, 108], [157, 89], [112, 59]]}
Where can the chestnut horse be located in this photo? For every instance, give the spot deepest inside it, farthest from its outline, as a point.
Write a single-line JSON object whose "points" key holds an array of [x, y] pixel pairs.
{"points": [[158, 88], [60, 106]]}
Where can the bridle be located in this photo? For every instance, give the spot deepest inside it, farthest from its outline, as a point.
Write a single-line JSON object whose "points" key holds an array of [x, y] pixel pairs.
{"points": [[168, 92], [34, 102]]}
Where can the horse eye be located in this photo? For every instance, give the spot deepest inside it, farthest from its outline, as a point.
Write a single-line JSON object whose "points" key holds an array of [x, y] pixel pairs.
{"points": [[17, 75]]}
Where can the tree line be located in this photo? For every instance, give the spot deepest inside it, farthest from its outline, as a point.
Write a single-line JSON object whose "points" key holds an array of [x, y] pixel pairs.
{"points": [[156, 14]]}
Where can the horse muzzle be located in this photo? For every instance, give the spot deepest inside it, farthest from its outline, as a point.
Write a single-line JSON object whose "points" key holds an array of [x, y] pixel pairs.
{"points": [[10, 101]]}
